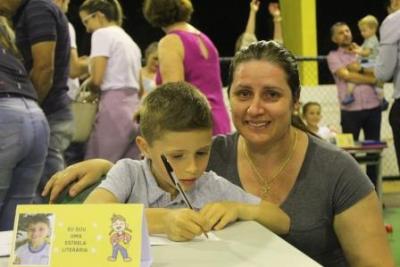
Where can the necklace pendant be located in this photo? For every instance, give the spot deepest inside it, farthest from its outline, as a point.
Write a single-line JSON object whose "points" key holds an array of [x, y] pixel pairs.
{"points": [[265, 190]]}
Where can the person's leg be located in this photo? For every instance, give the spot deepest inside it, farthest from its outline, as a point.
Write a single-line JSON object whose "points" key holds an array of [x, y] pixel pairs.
{"points": [[372, 131], [351, 122], [61, 132], [28, 156], [394, 120], [114, 131]]}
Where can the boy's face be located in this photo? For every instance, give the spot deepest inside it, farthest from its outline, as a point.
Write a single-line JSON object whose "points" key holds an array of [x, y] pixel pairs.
{"points": [[367, 31], [37, 232], [187, 152]]}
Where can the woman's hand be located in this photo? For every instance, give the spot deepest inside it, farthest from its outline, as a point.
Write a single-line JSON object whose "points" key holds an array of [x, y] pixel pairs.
{"points": [[82, 175], [183, 224], [274, 10], [254, 6], [217, 215]]}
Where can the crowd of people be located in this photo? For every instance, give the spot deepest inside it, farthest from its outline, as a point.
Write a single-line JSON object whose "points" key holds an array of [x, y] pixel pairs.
{"points": [[274, 168]]}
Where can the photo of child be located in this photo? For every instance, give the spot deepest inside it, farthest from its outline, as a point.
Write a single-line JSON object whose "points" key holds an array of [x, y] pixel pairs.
{"points": [[34, 246]]}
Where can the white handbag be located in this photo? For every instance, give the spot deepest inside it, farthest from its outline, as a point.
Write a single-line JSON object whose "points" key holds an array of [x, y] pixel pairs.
{"points": [[84, 113]]}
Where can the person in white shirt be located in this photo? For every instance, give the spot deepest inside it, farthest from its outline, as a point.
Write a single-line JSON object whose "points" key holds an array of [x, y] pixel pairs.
{"points": [[115, 62]]}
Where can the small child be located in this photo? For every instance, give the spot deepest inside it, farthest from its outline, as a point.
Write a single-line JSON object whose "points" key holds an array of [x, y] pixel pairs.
{"points": [[312, 117], [36, 250], [367, 52], [149, 70], [175, 121]]}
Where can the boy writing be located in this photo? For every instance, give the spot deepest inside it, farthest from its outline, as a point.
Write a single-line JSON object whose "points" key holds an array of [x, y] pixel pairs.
{"points": [[36, 250], [367, 52], [175, 121]]}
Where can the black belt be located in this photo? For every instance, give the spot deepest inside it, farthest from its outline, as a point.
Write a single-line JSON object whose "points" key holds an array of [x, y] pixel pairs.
{"points": [[4, 95]]}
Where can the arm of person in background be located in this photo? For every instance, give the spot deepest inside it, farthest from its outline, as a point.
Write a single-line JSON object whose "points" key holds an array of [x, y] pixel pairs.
{"points": [[177, 224], [78, 66], [362, 235], [386, 61], [355, 77], [275, 12], [251, 21], [170, 56], [361, 51], [219, 214], [98, 67], [81, 175], [43, 67]]}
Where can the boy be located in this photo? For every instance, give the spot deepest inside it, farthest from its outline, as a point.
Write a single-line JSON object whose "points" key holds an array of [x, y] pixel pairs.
{"points": [[36, 250], [367, 52], [175, 121]]}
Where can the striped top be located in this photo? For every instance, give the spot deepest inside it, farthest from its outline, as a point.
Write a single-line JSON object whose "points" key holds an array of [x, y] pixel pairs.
{"points": [[39, 21]]}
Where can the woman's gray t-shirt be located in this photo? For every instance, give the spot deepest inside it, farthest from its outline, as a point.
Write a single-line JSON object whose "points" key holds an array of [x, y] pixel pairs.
{"points": [[330, 181]]}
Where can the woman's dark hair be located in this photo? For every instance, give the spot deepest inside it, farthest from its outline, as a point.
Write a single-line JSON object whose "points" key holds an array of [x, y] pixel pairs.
{"points": [[163, 13], [111, 9], [274, 53]]}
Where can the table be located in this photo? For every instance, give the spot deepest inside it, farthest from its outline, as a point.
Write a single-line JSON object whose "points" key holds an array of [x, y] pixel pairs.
{"points": [[243, 244], [370, 154]]}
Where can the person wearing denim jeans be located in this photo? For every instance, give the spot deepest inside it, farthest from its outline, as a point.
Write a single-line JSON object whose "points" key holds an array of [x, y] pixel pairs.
{"points": [[42, 37], [24, 137], [24, 132]]}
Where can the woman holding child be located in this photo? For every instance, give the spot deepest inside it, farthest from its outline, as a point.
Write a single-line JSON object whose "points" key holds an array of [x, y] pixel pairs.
{"points": [[335, 215]]}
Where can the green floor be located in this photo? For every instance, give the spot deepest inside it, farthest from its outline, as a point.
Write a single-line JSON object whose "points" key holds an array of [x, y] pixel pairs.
{"points": [[392, 216]]}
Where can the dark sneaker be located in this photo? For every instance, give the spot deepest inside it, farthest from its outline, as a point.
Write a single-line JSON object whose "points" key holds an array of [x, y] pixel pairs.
{"points": [[384, 104], [348, 100]]}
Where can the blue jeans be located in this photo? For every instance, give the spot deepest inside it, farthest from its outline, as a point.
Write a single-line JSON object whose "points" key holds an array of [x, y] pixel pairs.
{"points": [[61, 132], [118, 248], [24, 138]]}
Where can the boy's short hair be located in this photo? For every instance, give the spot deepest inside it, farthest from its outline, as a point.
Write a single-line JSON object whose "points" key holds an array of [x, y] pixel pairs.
{"points": [[370, 21], [38, 218], [175, 106]]}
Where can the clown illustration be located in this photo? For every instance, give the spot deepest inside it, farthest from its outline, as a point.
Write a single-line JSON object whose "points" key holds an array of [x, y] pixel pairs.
{"points": [[119, 238]]}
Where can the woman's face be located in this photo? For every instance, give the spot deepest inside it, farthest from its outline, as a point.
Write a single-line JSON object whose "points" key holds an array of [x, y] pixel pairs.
{"points": [[90, 20], [261, 101]]}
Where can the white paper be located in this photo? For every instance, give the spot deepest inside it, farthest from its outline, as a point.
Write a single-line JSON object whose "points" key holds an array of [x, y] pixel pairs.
{"points": [[162, 239], [5, 243]]}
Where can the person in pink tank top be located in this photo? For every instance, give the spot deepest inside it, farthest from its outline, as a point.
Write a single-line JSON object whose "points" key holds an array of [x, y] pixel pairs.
{"points": [[186, 54]]}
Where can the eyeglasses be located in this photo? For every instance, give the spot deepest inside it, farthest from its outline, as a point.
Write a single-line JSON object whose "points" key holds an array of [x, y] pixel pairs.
{"points": [[86, 19]]}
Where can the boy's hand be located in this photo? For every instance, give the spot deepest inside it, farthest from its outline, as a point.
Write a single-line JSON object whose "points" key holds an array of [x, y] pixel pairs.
{"points": [[80, 175], [183, 224], [217, 215]]}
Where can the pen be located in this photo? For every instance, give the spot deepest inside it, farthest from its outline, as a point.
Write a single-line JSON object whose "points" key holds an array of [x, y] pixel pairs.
{"points": [[178, 186]]}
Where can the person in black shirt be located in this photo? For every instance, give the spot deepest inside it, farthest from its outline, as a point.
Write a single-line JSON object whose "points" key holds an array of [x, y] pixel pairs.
{"points": [[24, 132]]}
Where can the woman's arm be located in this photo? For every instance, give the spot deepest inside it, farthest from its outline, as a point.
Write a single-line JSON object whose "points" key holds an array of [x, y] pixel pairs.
{"points": [[275, 12], [170, 56], [362, 235], [219, 214], [98, 67], [80, 175], [251, 21]]}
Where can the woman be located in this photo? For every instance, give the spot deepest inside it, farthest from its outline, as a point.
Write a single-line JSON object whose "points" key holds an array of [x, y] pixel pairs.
{"points": [[186, 54], [334, 211], [24, 132], [115, 62]]}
